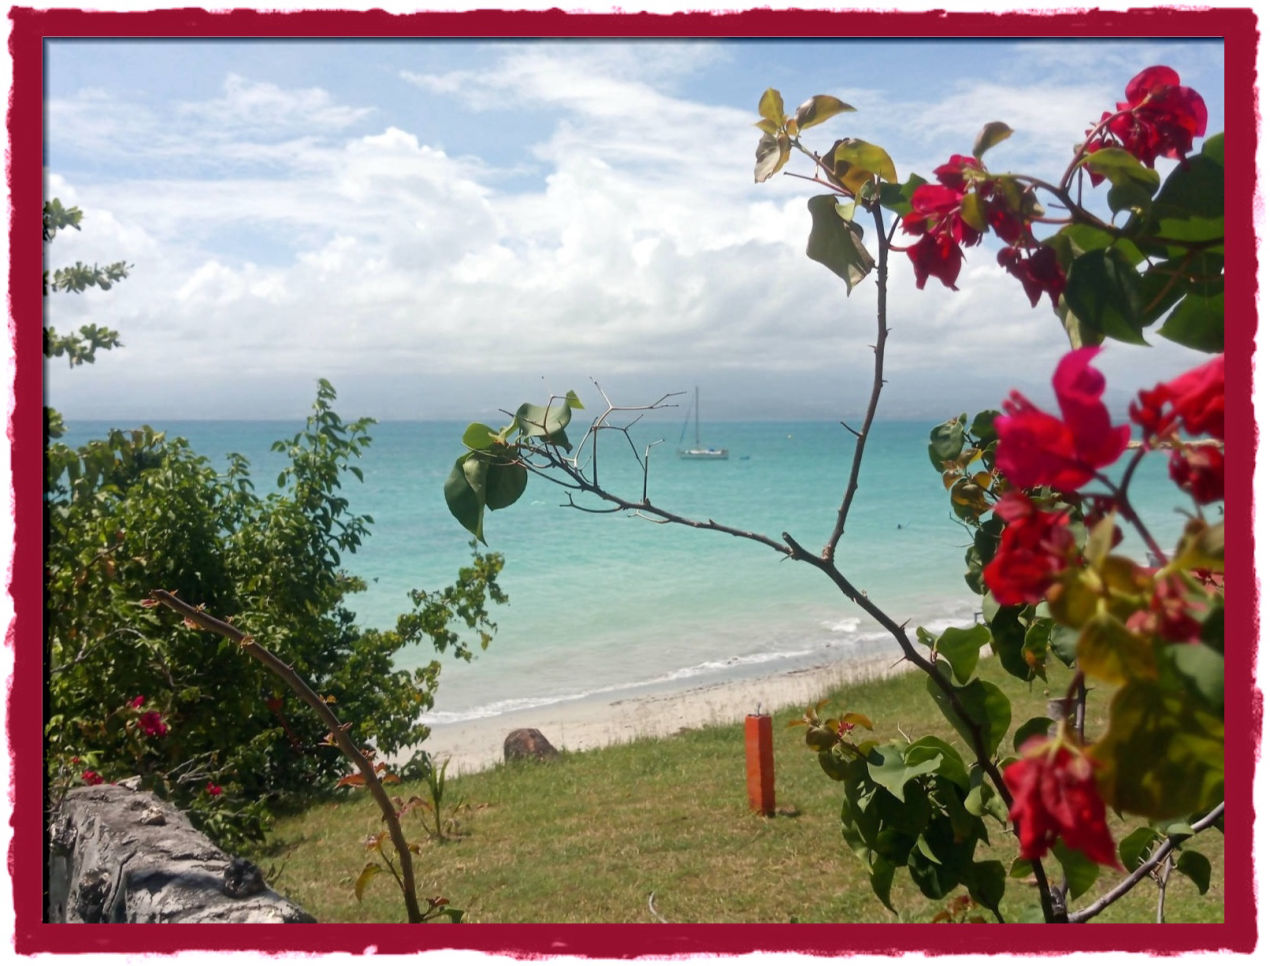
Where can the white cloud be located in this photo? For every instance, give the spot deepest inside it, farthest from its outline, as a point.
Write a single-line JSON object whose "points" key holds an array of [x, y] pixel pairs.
{"points": [[379, 258]]}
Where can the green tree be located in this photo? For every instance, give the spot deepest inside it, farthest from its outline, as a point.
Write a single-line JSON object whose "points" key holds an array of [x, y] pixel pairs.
{"points": [[129, 694]]}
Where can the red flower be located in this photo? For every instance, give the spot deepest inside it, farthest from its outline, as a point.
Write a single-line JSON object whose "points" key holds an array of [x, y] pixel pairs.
{"points": [[1195, 399], [151, 722], [1055, 797], [138, 701], [1038, 449], [936, 217], [1039, 272], [1035, 548], [1159, 118], [90, 777], [1200, 471], [1168, 615], [214, 790]]}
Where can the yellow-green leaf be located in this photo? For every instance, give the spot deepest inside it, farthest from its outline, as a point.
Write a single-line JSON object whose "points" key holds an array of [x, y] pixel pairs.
{"points": [[771, 107], [816, 110], [372, 869], [856, 162], [992, 133]]}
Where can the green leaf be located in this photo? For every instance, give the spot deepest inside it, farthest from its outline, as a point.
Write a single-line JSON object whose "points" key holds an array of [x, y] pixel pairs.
{"points": [[1103, 292], [1009, 636], [929, 748], [984, 799], [1136, 847], [946, 441], [1080, 870], [478, 436], [898, 198], [986, 707], [1202, 669], [990, 135], [1198, 322], [835, 243], [889, 768], [546, 422], [986, 884], [1196, 867], [1109, 652], [1162, 755], [960, 646], [1133, 184], [881, 876], [504, 484], [984, 427], [1030, 729], [819, 109], [466, 505]]}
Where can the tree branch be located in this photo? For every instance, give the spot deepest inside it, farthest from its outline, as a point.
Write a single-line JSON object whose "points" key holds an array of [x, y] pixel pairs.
{"points": [[195, 617]]}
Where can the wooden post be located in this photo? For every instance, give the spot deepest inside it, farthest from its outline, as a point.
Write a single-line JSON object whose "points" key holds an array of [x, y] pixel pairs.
{"points": [[760, 774]]}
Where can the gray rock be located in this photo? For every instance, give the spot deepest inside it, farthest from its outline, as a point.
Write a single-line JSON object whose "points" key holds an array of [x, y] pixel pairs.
{"points": [[528, 743], [120, 855]]}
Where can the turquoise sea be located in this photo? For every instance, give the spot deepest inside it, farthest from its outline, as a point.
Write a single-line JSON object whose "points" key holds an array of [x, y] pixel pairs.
{"points": [[608, 603]]}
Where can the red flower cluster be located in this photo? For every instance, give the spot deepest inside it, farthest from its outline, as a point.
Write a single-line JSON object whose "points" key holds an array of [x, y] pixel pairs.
{"points": [[91, 777], [151, 722], [1195, 400], [1038, 270], [1035, 547], [138, 701], [1159, 118], [214, 790], [1039, 449], [1168, 615], [936, 217], [1199, 471], [1055, 797]]}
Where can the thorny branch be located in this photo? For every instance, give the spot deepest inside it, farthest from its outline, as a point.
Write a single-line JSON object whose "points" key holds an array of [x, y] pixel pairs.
{"points": [[196, 617]]}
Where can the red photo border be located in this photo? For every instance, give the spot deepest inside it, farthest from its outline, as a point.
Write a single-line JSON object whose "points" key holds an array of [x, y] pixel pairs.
{"points": [[31, 28]]}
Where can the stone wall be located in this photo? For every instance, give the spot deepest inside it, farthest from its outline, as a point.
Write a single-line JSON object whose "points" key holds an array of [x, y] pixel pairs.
{"points": [[119, 855]]}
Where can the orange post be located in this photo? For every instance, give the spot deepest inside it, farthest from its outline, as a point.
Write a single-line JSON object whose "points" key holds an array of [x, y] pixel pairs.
{"points": [[760, 774]]}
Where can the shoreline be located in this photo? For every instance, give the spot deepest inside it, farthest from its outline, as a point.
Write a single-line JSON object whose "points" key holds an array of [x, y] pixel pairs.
{"points": [[582, 724]]}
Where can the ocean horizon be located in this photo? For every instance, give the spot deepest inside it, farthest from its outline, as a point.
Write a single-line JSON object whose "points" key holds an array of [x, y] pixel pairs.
{"points": [[609, 604]]}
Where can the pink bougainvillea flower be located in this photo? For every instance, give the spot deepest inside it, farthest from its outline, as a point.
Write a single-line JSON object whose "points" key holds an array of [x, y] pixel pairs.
{"points": [[1039, 272], [151, 722], [1055, 797], [1036, 448], [1195, 401], [90, 777], [138, 701], [214, 790], [1035, 548], [937, 255]]}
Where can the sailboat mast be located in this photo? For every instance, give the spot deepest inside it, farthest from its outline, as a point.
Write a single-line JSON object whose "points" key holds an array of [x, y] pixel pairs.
{"points": [[696, 412]]}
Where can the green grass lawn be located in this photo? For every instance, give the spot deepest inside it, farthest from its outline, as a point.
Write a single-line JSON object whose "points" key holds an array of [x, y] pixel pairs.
{"points": [[591, 836]]}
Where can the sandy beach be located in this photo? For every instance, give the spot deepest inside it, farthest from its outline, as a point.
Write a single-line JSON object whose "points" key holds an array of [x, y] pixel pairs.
{"points": [[578, 725]]}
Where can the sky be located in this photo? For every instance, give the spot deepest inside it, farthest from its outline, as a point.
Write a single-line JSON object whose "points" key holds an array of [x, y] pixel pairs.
{"points": [[447, 229]]}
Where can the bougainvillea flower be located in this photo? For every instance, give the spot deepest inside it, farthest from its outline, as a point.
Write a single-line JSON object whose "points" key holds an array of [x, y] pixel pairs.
{"points": [[1039, 449], [1200, 471], [1039, 272], [90, 777], [1196, 400], [1056, 797], [937, 255], [1159, 118], [214, 790], [1169, 615], [1035, 548], [138, 701], [151, 722]]}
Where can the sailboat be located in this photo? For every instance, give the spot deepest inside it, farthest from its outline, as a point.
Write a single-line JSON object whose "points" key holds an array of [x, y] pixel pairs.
{"points": [[699, 452]]}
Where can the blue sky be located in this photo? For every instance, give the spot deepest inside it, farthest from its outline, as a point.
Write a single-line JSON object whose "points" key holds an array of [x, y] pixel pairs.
{"points": [[443, 229]]}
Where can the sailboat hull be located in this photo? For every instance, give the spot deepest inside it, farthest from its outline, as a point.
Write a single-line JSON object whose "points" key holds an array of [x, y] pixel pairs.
{"points": [[703, 454]]}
